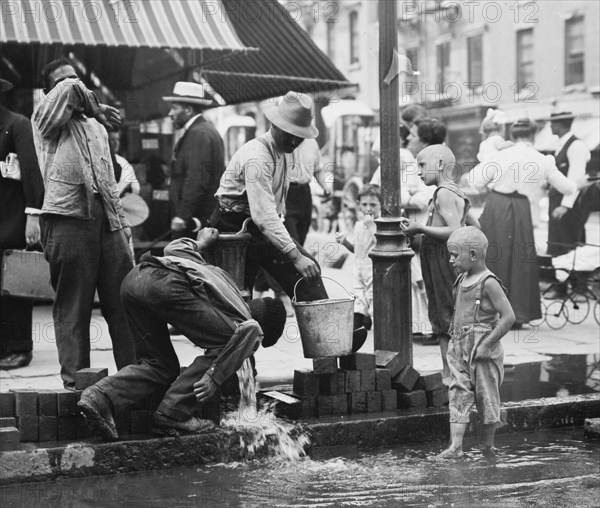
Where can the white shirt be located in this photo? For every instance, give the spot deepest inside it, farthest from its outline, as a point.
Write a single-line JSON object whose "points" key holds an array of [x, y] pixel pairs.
{"points": [[578, 156], [128, 177], [520, 168]]}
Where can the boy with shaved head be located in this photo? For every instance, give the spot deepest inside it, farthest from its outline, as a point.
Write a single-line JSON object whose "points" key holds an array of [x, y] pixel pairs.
{"points": [[482, 316], [447, 212]]}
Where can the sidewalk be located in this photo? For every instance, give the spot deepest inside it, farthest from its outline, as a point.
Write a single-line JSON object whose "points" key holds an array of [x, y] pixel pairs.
{"points": [[276, 365]]}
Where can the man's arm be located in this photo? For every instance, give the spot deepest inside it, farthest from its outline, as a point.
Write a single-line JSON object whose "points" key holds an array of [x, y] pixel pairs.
{"points": [[67, 99]]}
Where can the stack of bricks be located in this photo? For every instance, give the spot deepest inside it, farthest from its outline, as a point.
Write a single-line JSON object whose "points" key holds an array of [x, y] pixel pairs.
{"points": [[414, 389], [357, 386], [28, 415]]}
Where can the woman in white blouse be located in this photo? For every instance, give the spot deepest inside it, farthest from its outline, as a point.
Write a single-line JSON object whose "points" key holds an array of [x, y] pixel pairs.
{"points": [[515, 175]]}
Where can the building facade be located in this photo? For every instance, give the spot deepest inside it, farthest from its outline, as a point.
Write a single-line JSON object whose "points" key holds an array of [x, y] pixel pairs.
{"points": [[527, 58]]}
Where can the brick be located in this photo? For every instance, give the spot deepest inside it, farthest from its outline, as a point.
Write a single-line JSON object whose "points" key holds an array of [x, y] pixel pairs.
{"points": [[28, 428], [406, 380], [285, 405], [358, 402], [8, 421], [66, 402], [306, 382], [357, 361], [88, 377], [416, 398], [324, 405], [340, 404], [429, 381], [9, 438], [7, 404], [389, 400], [47, 428], [374, 402], [332, 384], [352, 381], [383, 380], [367, 380], [140, 421], [26, 401], [437, 398], [67, 428], [47, 403], [325, 365], [309, 404], [83, 430], [390, 360]]}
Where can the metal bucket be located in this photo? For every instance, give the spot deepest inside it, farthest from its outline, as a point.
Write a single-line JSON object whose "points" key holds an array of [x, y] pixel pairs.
{"points": [[326, 326]]}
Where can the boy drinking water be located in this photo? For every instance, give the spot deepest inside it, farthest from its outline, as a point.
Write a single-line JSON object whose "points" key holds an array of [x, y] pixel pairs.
{"points": [[482, 316], [447, 212], [369, 204]]}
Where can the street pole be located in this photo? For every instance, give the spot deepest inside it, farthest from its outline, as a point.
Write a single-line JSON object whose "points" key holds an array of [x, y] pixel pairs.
{"points": [[392, 313]]}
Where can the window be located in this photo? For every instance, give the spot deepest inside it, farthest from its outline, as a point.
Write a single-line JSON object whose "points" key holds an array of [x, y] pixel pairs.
{"points": [[354, 43], [330, 25], [475, 61], [443, 63], [574, 51], [524, 57]]}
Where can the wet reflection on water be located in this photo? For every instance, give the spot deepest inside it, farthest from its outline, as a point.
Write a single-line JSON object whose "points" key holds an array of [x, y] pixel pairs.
{"points": [[545, 468]]}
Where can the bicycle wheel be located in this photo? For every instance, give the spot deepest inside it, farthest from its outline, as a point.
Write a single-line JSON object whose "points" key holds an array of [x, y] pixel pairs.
{"points": [[597, 311], [579, 307], [557, 314]]}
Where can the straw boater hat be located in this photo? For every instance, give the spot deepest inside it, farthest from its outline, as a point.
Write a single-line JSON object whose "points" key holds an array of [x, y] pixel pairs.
{"points": [[294, 115], [5, 86], [563, 115], [189, 93]]}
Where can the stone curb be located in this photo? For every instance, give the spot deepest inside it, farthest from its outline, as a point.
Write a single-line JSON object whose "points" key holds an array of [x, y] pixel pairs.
{"points": [[367, 431]]}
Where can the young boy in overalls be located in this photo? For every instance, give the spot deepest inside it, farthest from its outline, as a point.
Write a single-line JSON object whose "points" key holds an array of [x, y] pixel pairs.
{"points": [[482, 316]]}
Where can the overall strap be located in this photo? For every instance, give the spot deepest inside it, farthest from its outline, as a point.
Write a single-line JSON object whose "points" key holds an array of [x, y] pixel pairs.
{"points": [[452, 187], [264, 142], [479, 291]]}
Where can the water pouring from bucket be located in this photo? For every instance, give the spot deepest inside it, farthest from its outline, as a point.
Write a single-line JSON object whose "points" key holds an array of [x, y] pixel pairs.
{"points": [[326, 326]]}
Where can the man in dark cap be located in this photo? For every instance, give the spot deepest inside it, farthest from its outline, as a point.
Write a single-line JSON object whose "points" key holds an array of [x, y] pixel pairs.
{"points": [[204, 303], [21, 198]]}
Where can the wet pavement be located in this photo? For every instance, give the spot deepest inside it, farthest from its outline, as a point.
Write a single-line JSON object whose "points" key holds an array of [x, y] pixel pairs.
{"points": [[542, 468]]}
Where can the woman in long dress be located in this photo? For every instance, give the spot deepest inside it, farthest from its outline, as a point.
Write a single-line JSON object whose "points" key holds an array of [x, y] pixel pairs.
{"points": [[514, 176]]}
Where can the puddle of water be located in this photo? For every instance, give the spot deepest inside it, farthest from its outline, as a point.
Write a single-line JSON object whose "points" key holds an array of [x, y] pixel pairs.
{"points": [[544, 468]]}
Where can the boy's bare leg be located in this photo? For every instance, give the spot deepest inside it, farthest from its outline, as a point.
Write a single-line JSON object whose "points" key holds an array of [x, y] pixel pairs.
{"points": [[457, 432], [488, 432]]}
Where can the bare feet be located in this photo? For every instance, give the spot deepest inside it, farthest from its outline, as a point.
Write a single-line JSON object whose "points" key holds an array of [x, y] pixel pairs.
{"points": [[450, 453]]}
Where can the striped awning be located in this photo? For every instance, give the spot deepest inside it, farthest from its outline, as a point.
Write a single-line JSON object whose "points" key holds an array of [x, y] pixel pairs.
{"points": [[193, 24]]}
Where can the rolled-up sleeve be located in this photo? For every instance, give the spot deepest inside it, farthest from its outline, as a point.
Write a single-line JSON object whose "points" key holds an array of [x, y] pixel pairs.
{"points": [[559, 181], [578, 156]]}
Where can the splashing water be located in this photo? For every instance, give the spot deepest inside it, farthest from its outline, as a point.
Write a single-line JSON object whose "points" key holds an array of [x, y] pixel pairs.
{"points": [[259, 426]]}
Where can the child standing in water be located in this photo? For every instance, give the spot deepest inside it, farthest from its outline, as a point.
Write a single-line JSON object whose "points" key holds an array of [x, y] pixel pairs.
{"points": [[369, 204], [482, 316], [447, 212]]}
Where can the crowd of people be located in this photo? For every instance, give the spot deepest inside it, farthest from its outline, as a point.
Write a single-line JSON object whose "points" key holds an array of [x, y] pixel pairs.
{"points": [[67, 198]]}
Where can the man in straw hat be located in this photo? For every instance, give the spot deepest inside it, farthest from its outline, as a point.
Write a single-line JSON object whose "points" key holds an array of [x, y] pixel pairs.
{"points": [[255, 185], [84, 230], [571, 157], [205, 304], [198, 160], [21, 197]]}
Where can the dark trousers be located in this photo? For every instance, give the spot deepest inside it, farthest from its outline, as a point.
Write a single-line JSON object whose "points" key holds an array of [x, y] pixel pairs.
{"points": [[86, 256], [262, 254], [153, 297], [298, 214], [15, 326], [564, 233]]}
